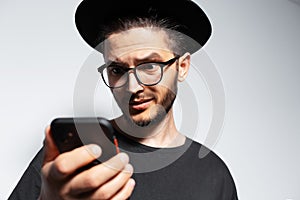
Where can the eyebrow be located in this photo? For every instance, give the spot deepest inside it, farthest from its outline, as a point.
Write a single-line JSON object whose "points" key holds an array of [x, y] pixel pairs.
{"points": [[153, 57]]}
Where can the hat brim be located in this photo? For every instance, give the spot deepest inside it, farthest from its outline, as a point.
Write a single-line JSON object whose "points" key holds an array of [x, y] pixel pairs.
{"points": [[92, 14]]}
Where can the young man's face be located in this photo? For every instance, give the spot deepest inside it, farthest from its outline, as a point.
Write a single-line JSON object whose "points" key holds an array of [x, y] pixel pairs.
{"points": [[143, 105]]}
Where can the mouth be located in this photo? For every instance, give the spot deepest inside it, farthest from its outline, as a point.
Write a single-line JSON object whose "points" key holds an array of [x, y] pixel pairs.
{"points": [[140, 104]]}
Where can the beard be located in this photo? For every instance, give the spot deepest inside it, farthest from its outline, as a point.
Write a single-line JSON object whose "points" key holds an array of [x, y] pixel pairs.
{"points": [[155, 114], [158, 112]]}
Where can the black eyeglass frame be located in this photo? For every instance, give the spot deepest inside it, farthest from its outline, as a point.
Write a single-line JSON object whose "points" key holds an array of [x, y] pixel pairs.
{"points": [[161, 64]]}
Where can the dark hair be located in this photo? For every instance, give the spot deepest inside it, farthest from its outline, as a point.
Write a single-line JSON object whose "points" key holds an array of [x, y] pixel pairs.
{"points": [[177, 41]]}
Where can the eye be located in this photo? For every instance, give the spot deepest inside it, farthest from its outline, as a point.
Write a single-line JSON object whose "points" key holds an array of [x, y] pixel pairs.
{"points": [[149, 67], [115, 70]]}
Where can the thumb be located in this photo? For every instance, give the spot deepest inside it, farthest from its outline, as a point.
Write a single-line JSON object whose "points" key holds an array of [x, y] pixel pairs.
{"points": [[50, 149]]}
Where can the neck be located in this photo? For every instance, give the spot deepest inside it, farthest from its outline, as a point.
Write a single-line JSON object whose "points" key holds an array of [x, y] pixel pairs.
{"points": [[162, 134]]}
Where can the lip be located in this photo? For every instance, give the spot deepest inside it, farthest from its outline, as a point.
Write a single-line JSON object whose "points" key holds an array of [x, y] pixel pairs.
{"points": [[140, 105]]}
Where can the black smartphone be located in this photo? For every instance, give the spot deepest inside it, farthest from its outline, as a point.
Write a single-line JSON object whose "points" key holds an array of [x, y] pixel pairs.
{"points": [[71, 133]]}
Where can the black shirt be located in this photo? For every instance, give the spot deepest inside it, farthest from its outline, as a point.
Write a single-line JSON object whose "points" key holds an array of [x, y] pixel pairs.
{"points": [[160, 174]]}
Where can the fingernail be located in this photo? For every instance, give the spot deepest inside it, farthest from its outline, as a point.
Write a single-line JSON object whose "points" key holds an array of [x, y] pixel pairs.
{"points": [[128, 168], [132, 182], [124, 157], [95, 150]]}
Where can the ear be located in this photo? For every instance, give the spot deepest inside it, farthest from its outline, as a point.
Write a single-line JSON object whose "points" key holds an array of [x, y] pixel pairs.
{"points": [[184, 66]]}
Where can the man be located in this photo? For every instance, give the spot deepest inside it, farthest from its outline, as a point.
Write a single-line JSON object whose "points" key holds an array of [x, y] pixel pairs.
{"points": [[147, 47]]}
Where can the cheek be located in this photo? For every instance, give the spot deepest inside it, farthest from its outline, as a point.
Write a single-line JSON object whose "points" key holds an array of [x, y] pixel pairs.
{"points": [[169, 82], [160, 94], [119, 95]]}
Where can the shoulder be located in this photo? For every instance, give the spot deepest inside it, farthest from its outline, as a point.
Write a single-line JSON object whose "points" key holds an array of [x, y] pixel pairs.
{"points": [[208, 170], [29, 185], [206, 160], [203, 153]]}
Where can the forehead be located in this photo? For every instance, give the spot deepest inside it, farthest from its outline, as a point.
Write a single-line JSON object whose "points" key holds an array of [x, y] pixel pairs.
{"points": [[136, 41]]}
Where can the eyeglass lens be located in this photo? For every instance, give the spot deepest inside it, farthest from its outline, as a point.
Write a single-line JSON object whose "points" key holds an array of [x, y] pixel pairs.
{"points": [[147, 74]]}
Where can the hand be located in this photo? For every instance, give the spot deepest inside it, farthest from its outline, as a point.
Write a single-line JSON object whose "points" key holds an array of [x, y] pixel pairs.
{"points": [[60, 180]]}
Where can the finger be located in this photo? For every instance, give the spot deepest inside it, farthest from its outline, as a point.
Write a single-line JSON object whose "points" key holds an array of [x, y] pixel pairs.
{"points": [[50, 149], [126, 191], [123, 193], [110, 188], [98, 175], [67, 163]]}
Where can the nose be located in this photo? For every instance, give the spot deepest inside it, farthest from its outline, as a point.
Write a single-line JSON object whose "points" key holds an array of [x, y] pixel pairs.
{"points": [[133, 84]]}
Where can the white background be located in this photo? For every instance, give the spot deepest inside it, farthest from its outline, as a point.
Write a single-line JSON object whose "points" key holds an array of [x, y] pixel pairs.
{"points": [[255, 46]]}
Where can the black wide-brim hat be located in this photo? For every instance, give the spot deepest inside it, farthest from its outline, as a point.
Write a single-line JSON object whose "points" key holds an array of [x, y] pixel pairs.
{"points": [[93, 14]]}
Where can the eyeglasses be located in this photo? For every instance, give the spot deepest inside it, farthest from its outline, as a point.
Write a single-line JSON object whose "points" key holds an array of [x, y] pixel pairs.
{"points": [[148, 74]]}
